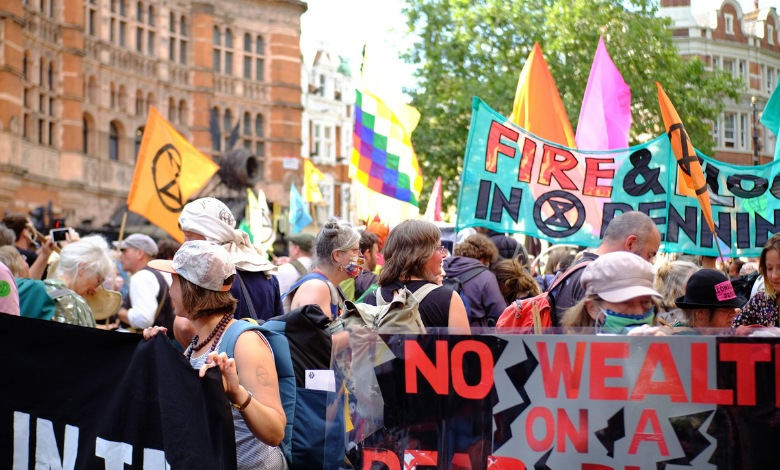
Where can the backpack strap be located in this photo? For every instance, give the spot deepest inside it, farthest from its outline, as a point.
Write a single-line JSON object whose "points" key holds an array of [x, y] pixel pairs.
{"points": [[423, 291], [299, 267], [246, 297], [335, 294], [471, 274], [518, 249], [56, 294], [229, 338], [566, 274]]}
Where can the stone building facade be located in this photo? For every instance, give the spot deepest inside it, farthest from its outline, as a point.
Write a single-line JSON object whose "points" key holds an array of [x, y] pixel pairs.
{"points": [[78, 77], [329, 102], [747, 44]]}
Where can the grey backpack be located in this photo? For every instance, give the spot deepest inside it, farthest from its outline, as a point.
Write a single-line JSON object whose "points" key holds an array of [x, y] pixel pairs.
{"points": [[402, 313]]}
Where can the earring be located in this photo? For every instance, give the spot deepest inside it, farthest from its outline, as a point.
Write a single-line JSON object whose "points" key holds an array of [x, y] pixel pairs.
{"points": [[341, 268]]}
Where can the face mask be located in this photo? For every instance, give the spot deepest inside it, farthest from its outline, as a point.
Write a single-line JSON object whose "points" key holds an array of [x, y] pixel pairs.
{"points": [[616, 323], [355, 266]]}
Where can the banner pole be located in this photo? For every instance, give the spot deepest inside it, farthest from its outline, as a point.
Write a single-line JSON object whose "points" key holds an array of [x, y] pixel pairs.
{"points": [[119, 243], [717, 245]]}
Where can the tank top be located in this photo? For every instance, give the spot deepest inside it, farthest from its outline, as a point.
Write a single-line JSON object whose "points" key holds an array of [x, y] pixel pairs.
{"points": [[251, 453]]}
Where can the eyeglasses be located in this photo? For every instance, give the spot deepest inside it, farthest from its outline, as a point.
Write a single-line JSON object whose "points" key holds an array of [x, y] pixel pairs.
{"points": [[443, 250]]}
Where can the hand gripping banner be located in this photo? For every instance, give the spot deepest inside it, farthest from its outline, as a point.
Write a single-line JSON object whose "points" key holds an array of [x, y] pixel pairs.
{"points": [[513, 181]]}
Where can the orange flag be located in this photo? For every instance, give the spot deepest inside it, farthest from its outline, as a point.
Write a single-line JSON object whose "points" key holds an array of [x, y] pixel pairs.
{"points": [[169, 170], [690, 181], [538, 107]]}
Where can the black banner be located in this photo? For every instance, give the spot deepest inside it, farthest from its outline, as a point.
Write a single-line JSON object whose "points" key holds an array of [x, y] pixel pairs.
{"points": [[80, 398]]}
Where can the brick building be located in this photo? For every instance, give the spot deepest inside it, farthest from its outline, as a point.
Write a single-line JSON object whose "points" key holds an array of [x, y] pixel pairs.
{"points": [[748, 45], [78, 77], [329, 101]]}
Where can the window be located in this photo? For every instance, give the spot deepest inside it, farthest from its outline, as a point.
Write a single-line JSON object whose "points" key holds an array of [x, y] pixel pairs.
{"points": [[171, 110], [259, 125], [770, 79], [139, 39], [51, 106], [139, 103], [183, 26], [728, 130], [728, 65], [172, 23], [742, 70], [770, 33], [40, 72], [174, 37], [90, 10], [122, 7], [122, 27], [85, 137], [111, 34], [51, 75], [247, 67], [215, 140], [183, 52], [113, 96], [217, 37], [742, 130], [729, 23], [714, 62], [41, 129], [247, 43], [217, 42], [51, 133], [228, 122], [139, 138], [91, 22], [151, 15], [42, 103], [228, 52], [228, 39], [25, 63], [113, 6], [139, 12], [247, 124], [183, 112], [260, 67], [113, 142], [150, 43], [260, 49], [715, 135], [217, 64], [172, 49]]}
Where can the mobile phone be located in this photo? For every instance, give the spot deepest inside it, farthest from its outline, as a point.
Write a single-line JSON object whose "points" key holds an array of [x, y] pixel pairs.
{"points": [[59, 234]]}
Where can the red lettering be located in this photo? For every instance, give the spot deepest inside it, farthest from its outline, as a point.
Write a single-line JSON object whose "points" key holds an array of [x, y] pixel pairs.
{"points": [[561, 367], [599, 371], [540, 445], [460, 461], [380, 455], [657, 435], [592, 174], [553, 168], [413, 458], [745, 355], [700, 391], [504, 463], [578, 437], [527, 161], [659, 353], [595, 466], [437, 375], [495, 146], [480, 390]]}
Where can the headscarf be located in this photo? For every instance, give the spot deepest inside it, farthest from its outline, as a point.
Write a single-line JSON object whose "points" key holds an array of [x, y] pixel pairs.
{"points": [[212, 219]]}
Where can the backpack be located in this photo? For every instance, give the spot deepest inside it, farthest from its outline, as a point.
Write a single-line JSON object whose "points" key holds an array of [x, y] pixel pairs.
{"points": [[456, 283], [743, 285], [402, 312], [310, 441], [519, 314]]}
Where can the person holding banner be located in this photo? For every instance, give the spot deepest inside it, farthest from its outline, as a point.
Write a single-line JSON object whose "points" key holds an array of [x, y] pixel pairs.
{"points": [[413, 258], [762, 309], [203, 274], [618, 294], [709, 301]]}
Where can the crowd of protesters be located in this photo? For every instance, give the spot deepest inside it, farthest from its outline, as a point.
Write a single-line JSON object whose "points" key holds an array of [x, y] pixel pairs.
{"points": [[198, 290]]}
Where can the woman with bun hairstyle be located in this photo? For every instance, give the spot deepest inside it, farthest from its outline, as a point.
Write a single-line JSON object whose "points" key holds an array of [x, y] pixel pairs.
{"points": [[514, 282]]}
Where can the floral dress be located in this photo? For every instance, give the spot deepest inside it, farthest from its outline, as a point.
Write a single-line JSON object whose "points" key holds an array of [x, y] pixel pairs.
{"points": [[760, 310]]}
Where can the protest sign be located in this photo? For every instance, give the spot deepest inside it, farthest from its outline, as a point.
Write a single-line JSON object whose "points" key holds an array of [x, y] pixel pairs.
{"points": [[515, 402], [81, 398], [513, 181]]}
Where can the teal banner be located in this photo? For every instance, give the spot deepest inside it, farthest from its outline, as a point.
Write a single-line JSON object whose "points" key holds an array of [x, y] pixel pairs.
{"points": [[515, 182]]}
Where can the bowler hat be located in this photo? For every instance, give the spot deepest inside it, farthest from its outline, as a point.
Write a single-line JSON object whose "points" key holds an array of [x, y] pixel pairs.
{"points": [[709, 288]]}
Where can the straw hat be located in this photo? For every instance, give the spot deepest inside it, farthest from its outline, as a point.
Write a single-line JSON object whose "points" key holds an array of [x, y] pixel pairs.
{"points": [[104, 303]]}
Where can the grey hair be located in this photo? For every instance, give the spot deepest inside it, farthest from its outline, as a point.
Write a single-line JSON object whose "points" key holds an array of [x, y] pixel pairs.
{"points": [[336, 235], [7, 236], [92, 251], [629, 223], [670, 280]]}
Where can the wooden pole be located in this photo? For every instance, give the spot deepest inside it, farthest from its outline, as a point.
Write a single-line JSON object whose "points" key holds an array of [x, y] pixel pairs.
{"points": [[312, 209], [119, 243]]}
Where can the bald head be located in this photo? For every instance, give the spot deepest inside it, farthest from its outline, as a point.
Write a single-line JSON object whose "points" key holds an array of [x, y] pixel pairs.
{"points": [[634, 232]]}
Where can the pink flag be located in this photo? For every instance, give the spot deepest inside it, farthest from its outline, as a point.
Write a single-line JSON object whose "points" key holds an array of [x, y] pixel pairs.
{"points": [[433, 211], [605, 116]]}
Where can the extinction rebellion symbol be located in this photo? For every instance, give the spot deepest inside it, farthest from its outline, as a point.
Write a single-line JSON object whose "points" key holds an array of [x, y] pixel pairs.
{"points": [[166, 169], [559, 218]]}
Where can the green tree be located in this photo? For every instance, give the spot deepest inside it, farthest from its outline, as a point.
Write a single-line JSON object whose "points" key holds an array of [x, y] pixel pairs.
{"points": [[472, 48]]}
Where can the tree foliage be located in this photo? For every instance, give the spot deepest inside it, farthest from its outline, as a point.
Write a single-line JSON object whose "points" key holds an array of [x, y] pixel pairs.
{"points": [[470, 48]]}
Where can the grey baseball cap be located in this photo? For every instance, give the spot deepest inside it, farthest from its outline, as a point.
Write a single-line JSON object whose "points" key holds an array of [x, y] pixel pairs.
{"points": [[304, 240], [140, 241], [201, 262]]}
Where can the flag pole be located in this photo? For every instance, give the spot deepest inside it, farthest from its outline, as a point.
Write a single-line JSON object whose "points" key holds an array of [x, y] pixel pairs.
{"points": [[312, 209], [119, 243]]}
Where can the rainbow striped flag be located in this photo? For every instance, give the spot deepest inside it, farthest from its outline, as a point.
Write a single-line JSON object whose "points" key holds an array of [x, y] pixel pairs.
{"points": [[383, 158]]}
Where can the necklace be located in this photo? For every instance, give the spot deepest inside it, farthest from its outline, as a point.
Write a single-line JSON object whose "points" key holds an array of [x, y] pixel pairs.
{"points": [[217, 332]]}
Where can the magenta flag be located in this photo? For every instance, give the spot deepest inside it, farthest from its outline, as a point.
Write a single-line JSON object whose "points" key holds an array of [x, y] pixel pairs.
{"points": [[433, 211], [605, 116]]}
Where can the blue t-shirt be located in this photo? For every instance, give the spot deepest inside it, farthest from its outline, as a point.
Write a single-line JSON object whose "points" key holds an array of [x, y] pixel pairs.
{"points": [[263, 292]]}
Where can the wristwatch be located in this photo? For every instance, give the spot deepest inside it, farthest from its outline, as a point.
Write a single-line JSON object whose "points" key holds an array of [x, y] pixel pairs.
{"points": [[241, 408]]}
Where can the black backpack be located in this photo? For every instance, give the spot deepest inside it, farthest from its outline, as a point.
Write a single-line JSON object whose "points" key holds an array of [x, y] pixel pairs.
{"points": [[743, 285], [456, 283]]}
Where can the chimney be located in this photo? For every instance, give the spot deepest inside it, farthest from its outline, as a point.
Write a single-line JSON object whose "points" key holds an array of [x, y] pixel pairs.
{"points": [[755, 3]]}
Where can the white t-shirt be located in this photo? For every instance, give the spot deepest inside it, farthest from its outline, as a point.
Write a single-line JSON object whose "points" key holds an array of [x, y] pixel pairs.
{"points": [[287, 274], [144, 290]]}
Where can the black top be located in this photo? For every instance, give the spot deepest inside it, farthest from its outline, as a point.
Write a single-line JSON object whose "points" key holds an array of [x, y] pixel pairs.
{"points": [[434, 309], [29, 255], [570, 291]]}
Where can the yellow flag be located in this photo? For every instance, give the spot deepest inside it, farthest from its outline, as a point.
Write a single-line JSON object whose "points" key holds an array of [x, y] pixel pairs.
{"points": [[169, 170], [691, 181], [312, 176]]}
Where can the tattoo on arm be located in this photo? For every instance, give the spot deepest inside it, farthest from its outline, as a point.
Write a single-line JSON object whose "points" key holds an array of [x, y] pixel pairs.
{"points": [[263, 376]]}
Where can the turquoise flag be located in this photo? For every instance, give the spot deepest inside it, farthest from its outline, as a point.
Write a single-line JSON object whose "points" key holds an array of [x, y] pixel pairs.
{"points": [[513, 181], [299, 214], [771, 118]]}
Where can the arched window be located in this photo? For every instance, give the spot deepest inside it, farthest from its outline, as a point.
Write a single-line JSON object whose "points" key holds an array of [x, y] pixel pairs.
{"points": [[172, 22], [51, 75], [260, 49], [122, 7], [259, 125], [217, 37], [151, 16], [216, 139], [171, 109], [183, 26], [247, 124], [122, 99], [139, 103], [139, 137], [228, 121], [247, 42], [113, 142], [150, 100], [139, 12], [217, 66], [228, 39], [183, 112], [228, 52]]}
